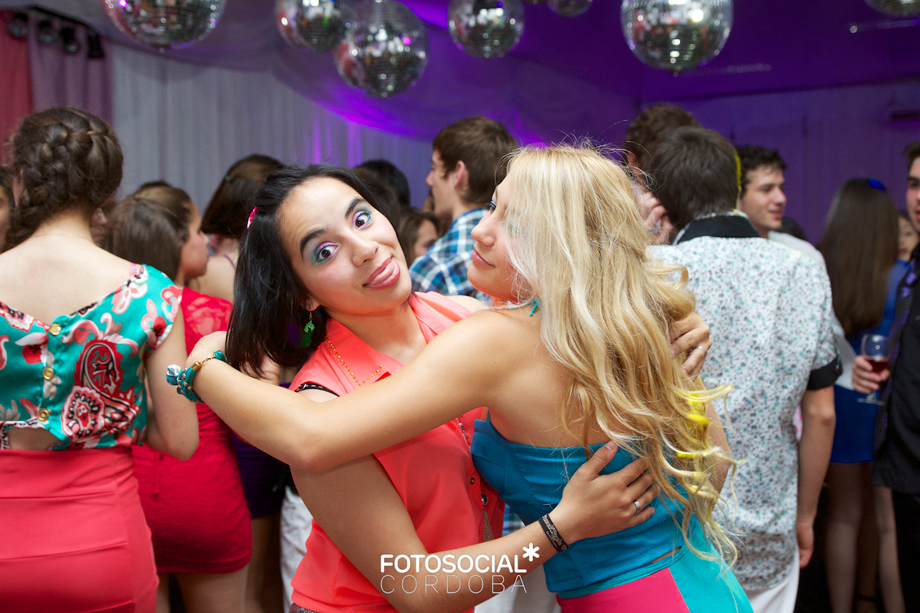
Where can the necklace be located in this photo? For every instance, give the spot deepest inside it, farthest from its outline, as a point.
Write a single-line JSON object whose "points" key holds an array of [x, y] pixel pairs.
{"points": [[349, 371], [459, 423], [463, 432]]}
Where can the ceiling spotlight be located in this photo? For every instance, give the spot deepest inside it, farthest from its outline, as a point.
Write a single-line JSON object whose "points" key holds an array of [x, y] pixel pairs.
{"points": [[47, 33], [69, 40], [94, 46], [18, 26]]}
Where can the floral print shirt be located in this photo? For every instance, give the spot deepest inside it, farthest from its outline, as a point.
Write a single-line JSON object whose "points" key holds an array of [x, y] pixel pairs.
{"points": [[81, 376], [769, 311]]}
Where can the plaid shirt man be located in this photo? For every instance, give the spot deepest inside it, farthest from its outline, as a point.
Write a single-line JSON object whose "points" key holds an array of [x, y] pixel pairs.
{"points": [[443, 268]]}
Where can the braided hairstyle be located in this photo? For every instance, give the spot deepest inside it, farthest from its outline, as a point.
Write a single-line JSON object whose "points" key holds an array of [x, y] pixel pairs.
{"points": [[65, 159]]}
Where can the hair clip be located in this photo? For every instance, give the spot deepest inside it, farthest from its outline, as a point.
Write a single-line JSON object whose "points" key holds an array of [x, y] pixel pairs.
{"points": [[252, 214], [876, 184]]}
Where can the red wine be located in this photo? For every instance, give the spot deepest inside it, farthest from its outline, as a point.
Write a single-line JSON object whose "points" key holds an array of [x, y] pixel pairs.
{"points": [[878, 364]]}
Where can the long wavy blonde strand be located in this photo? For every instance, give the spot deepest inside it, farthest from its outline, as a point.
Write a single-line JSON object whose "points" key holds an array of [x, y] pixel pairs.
{"points": [[578, 242]]}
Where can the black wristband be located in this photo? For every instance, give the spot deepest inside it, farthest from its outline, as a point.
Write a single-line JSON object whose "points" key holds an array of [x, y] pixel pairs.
{"points": [[549, 528]]}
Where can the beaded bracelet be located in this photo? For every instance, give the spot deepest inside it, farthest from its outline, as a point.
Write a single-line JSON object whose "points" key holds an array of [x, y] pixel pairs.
{"points": [[182, 379], [549, 528]]}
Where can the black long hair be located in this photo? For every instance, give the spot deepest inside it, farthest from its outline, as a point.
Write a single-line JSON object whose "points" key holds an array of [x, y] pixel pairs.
{"points": [[268, 297]]}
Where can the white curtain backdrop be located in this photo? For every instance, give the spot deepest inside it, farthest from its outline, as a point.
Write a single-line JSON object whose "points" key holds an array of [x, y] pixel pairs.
{"points": [[186, 124]]}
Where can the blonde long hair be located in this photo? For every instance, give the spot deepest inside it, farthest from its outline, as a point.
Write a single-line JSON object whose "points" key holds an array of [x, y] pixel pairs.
{"points": [[577, 242]]}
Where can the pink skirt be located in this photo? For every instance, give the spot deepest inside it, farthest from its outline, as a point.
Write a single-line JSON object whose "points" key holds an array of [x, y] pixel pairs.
{"points": [[74, 535]]}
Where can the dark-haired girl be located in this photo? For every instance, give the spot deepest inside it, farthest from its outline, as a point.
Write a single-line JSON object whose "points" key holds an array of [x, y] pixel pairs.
{"points": [[195, 509], [79, 328], [860, 248]]}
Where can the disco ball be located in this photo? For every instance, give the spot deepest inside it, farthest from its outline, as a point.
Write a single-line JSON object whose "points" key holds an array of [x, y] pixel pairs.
{"points": [[676, 36], [386, 49], [898, 8], [486, 28], [165, 23], [569, 8], [314, 25]]}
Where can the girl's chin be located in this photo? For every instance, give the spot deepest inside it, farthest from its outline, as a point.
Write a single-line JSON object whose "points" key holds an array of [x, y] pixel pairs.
{"points": [[403, 288], [499, 295]]}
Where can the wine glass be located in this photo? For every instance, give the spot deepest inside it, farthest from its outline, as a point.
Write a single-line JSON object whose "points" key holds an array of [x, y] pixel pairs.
{"points": [[875, 350]]}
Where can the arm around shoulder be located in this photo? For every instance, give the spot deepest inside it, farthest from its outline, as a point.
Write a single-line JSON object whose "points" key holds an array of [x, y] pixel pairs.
{"points": [[458, 371]]}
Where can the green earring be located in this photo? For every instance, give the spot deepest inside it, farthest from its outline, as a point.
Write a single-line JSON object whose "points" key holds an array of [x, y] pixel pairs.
{"points": [[307, 336]]}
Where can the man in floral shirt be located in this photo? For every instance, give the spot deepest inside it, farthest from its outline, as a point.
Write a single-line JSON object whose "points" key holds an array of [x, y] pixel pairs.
{"points": [[769, 311]]}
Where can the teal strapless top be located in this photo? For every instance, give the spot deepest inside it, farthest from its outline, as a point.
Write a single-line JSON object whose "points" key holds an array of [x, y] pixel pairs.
{"points": [[530, 481]]}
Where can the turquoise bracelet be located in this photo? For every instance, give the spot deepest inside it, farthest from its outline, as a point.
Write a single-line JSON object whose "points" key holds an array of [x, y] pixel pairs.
{"points": [[183, 379]]}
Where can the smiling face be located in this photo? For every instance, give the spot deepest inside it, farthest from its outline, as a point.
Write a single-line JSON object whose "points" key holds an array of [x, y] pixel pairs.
{"points": [[491, 271], [343, 250], [764, 198]]}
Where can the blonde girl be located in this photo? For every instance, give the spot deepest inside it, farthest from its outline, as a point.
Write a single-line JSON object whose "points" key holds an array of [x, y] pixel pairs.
{"points": [[578, 355]]}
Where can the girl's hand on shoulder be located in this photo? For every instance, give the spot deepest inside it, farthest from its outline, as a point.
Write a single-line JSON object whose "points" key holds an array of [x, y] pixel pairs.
{"points": [[595, 505], [207, 345], [690, 336]]}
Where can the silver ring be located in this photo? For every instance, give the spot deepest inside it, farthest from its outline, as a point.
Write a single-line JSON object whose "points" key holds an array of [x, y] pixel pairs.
{"points": [[638, 506], [705, 351]]}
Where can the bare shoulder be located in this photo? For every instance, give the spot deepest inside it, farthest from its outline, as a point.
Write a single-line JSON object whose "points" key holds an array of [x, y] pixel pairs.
{"points": [[62, 277], [496, 332], [220, 263], [218, 280], [468, 302]]}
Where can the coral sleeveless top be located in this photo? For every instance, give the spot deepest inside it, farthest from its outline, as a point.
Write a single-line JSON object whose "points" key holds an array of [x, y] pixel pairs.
{"points": [[433, 473]]}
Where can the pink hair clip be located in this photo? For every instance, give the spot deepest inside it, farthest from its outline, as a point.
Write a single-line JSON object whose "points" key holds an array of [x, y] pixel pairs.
{"points": [[251, 215]]}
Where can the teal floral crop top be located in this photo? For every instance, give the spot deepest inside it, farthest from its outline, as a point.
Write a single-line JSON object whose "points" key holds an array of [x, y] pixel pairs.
{"points": [[81, 376]]}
